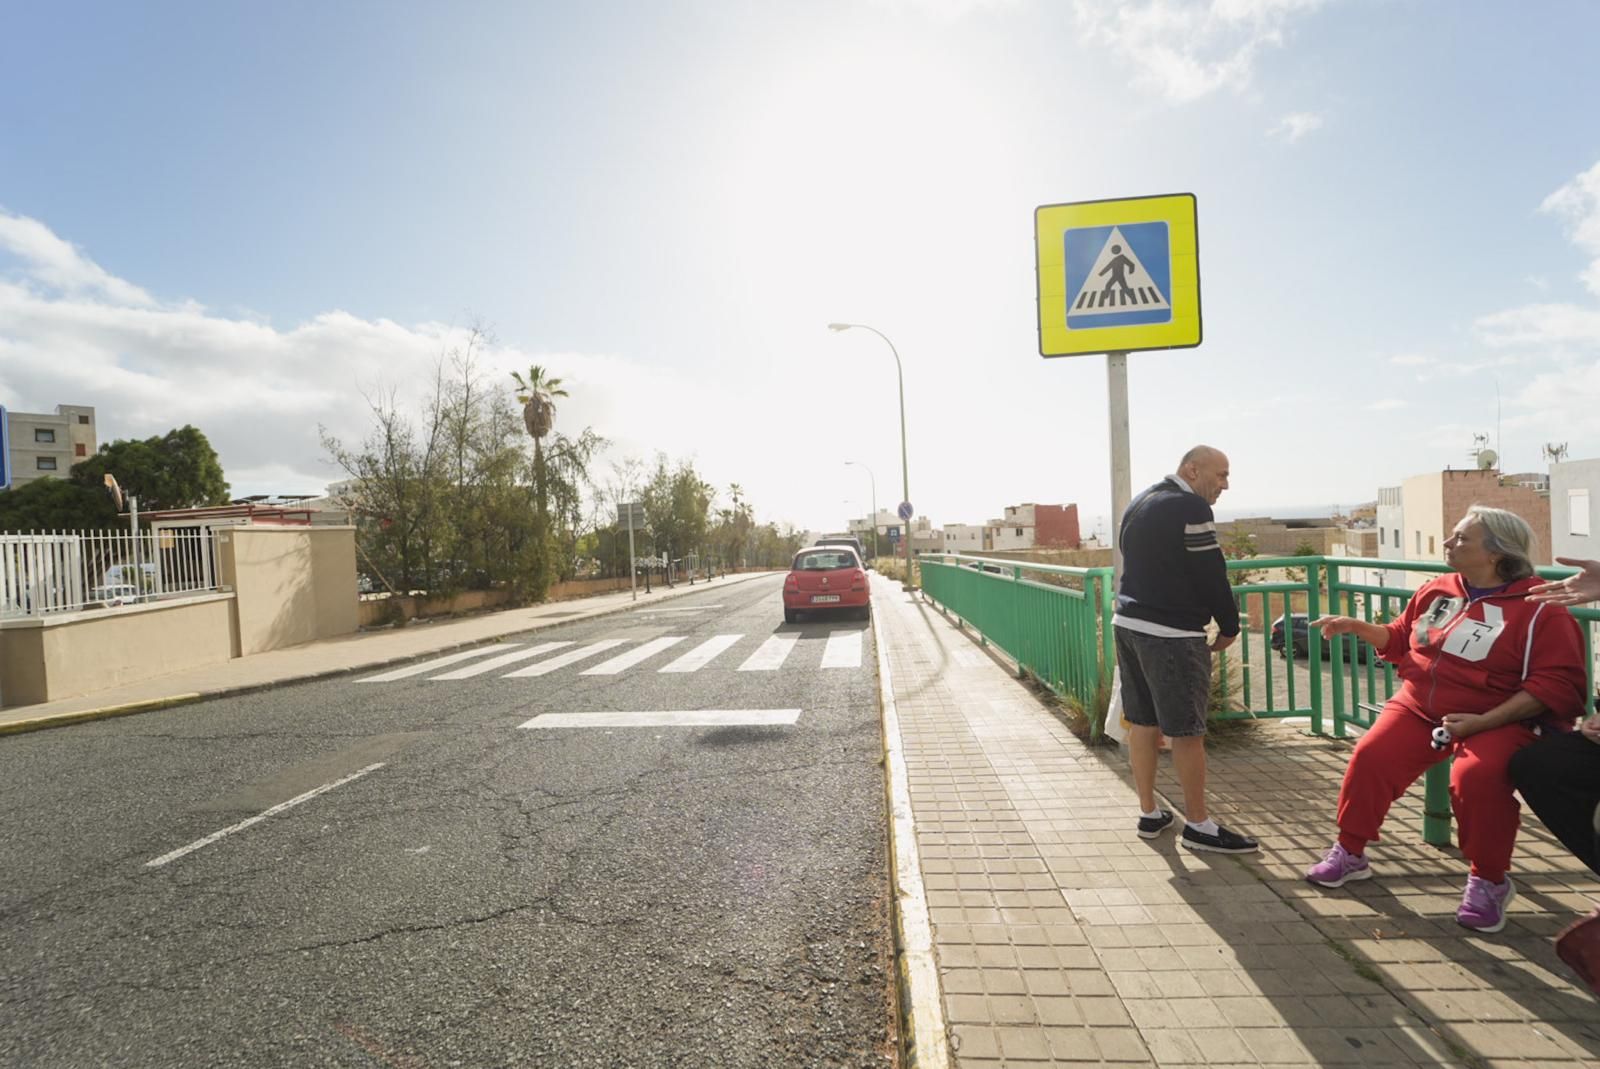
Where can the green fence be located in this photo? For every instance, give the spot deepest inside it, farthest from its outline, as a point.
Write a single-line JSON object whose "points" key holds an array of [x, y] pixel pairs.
{"points": [[1055, 622]]}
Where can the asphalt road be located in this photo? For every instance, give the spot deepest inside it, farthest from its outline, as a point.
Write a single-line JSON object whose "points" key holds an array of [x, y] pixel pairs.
{"points": [[464, 889]]}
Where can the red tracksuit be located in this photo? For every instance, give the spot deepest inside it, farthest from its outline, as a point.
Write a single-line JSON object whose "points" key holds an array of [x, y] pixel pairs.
{"points": [[1459, 656]]}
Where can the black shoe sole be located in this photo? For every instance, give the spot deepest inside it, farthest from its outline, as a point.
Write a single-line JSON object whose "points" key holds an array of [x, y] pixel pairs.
{"points": [[1220, 849]]}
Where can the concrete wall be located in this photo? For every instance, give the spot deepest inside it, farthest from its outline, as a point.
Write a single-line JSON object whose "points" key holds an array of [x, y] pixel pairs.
{"points": [[1056, 527], [1391, 523], [963, 538], [1566, 539], [292, 584], [43, 658]]}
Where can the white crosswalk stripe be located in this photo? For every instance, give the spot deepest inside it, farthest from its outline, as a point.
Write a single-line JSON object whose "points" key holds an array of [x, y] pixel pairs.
{"points": [[843, 650], [501, 661], [582, 653], [771, 654], [437, 662], [623, 661], [702, 654]]}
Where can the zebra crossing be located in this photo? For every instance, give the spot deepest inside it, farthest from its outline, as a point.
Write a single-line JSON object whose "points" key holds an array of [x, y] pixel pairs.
{"points": [[843, 649]]}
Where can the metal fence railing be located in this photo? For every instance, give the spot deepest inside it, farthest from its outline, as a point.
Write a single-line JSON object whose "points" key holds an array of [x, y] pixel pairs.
{"points": [[1055, 622], [64, 571]]}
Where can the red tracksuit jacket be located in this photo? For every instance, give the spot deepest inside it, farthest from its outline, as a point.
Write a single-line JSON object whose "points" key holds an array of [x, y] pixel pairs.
{"points": [[1456, 656]]}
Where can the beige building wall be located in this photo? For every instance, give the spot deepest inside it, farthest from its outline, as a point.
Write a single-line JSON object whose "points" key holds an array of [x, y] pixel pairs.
{"points": [[1422, 504], [1463, 489], [56, 440], [67, 654], [292, 584]]}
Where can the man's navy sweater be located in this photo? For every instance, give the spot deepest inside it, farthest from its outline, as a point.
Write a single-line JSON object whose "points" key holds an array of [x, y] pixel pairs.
{"points": [[1173, 570]]}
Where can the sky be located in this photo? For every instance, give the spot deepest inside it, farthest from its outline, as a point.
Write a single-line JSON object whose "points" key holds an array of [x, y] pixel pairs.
{"points": [[251, 217]]}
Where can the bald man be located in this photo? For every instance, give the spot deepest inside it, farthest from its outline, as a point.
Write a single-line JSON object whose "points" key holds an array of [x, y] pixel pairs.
{"points": [[1174, 583]]}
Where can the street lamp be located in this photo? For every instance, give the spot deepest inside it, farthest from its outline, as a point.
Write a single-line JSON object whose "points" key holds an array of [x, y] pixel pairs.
{"points": [[858, 464], [905, 479]]}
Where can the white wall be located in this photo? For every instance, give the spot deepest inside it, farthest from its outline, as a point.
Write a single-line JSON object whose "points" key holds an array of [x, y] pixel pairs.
{"points": [[1574, 509]]}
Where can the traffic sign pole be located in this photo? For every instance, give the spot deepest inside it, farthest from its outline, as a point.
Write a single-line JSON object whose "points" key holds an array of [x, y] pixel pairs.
{"points": [[1121, 460]]}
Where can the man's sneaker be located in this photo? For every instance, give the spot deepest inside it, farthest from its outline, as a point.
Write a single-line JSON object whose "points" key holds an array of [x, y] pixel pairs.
{"points": [[1224, 842], [1483, 904], [1150, 827], [1338, 868]]}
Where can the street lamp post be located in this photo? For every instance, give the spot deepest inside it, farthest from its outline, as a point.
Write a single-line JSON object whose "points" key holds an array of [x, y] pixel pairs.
{"points": [[905, 478], [874, 479]]}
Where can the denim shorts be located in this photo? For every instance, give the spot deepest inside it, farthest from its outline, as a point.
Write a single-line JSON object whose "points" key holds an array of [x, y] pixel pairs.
{"points": [[1166, 682]]}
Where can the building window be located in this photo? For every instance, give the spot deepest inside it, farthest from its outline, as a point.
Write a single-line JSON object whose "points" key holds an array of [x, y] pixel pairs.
{"points": [[1418, 535], [83, 421], [80, 450], [45, 463], [1019, 532], [1578, 512], [44, 434], [1430, 545], [1397, 538]]}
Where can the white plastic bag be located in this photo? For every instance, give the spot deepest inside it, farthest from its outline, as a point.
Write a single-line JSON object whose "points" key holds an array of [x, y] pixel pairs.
{"points": [[1116, 727]]}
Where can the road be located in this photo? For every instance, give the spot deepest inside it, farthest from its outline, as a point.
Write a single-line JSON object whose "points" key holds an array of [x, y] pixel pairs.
{"points": [[449, 873]]}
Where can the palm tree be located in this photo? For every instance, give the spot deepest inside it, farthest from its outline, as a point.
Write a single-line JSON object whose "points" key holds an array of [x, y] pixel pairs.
{"points": [[538, 393]]}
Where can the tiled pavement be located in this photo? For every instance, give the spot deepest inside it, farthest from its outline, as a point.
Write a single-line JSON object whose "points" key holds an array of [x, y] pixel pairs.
{"points": [[1063, 939]]}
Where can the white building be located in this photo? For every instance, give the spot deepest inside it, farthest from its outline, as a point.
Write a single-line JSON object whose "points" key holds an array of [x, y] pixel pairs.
{"points": [[45, 445], [1574, 493], [963, 538]]}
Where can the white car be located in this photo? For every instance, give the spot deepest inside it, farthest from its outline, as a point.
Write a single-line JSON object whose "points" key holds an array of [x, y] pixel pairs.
{"points": [[115, 594]]}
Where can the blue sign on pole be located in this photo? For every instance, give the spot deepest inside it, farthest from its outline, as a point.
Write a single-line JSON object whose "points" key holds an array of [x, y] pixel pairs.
{"points": [[5, 449], [905, 511], [894, 533]]}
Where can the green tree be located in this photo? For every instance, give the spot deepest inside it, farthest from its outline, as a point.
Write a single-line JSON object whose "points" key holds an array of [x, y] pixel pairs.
{"points": [[56, 505], [538, 393], [176, 470], [1239, 544], [677, 507]]}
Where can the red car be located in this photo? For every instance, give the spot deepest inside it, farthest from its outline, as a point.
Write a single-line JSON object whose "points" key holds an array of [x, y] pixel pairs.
{"points": [[826, 578]]}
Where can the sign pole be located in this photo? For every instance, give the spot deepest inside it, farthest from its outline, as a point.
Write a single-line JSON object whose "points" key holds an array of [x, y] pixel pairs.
{"points": [[1121, 462], [633, 562]]}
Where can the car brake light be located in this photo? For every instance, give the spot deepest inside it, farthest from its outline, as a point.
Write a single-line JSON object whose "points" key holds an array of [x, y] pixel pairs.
{"points": [[858, 580], [792, 582]]}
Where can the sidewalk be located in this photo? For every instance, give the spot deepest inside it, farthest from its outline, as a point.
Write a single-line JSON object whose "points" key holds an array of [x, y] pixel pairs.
{"points": [[1061, 938], [348, 653]]}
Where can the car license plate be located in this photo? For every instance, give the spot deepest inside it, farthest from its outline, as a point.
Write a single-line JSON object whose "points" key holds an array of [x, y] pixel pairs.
{"points": [[818, 599]]}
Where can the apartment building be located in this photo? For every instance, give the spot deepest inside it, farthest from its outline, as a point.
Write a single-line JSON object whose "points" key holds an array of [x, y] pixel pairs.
{"points": [[45, 445], [1432, 503]]}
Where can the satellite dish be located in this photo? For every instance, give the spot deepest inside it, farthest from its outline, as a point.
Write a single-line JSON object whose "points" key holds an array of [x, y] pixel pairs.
{"points": [[1487, 458]]}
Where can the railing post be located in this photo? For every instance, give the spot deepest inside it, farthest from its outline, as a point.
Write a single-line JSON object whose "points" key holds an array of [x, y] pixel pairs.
{"points": [[1436, 805], [1340, 705], [1313, 642]]}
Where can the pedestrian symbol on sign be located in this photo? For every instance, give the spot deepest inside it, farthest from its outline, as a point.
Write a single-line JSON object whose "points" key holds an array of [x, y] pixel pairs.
{"points": [[1118, 275]]}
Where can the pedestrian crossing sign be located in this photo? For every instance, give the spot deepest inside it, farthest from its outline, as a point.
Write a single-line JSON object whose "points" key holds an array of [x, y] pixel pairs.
{"points": [[1118, 275]]}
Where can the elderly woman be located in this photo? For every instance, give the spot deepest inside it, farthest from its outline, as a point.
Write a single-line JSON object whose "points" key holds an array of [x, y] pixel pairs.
{"points": [[1491, 668]]}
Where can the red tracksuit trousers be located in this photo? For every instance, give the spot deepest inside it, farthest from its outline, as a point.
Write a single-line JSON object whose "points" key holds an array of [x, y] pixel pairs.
{"points": [[1396, 750]]}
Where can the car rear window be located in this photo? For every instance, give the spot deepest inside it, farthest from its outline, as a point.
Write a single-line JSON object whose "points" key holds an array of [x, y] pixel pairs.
{"points": [[823, 561]]}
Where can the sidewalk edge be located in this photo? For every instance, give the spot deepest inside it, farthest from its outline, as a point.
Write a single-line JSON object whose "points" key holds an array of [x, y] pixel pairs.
{"points": [[105, 712], [923, 1036]]}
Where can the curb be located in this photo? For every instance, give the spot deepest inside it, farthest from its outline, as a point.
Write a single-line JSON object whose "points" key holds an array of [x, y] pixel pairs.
{"points": [[148, 705], [923, 1037]]}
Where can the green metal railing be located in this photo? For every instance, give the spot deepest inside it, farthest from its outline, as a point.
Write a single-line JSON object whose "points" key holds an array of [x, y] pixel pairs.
{"points": [[1055, 622]]}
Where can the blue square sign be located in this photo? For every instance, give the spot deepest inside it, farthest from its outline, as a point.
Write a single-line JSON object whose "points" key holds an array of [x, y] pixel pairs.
{"points": [[1119, 275]]}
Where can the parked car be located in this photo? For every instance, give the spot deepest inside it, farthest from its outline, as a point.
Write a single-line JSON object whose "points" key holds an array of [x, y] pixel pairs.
{"points": [[826, 579], [1300, 629], [845, 540], [115, 594]]}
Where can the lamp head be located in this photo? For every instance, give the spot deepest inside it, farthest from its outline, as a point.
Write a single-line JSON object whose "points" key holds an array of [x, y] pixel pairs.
{"points": [[840, 326]]}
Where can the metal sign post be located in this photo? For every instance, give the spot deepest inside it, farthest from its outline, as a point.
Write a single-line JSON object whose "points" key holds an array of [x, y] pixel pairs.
{"points": [[631, 513], [1121, 462]]}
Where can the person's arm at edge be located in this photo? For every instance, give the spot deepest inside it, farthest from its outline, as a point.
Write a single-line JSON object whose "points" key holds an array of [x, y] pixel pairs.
{"points": [[1208, 569]]}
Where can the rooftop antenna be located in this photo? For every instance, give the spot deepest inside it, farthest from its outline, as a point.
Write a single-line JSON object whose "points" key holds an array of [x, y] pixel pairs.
{"points": [[1483, 458], [1555, 452]]}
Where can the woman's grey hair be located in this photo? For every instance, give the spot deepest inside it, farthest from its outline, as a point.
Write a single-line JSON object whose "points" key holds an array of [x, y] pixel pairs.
{"points": [[1508, 535]]}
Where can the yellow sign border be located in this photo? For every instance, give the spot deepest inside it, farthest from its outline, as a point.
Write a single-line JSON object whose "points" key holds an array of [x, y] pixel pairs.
{"points": [[1050, 221]]}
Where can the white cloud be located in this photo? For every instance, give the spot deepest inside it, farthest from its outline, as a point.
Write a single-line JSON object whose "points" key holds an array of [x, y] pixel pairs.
{"points": [[58, 265], [71, 333], [1559, 325], [1295, 126], [1185, 50], [1411, 360], [1388, 404]]}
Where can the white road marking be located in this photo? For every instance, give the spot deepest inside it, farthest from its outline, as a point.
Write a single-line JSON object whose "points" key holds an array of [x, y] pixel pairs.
{"points": [[771, 654], [688, 718], [437, 662], [259, 817], [501, 661], [570, 657], [702, 654], [681, 608], [623, 661], [843, 650]]}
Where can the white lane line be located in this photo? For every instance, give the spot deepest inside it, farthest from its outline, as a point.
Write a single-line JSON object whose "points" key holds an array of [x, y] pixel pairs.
{"points": [[259, 817], [843, 650], [688, 718], [702, 654], [771, 654], [570, 657], [504, 659], [682, 608], [623, 661], [437, 662]]}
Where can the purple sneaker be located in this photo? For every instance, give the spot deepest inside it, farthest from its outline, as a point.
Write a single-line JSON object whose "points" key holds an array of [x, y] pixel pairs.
{"points": [[1338, 868], [1483, 904]]}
